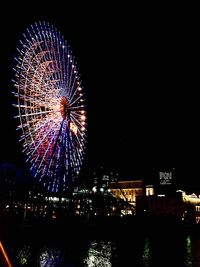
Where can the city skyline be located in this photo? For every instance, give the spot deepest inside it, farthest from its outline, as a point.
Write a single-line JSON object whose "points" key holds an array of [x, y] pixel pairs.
{"points": [[136, 76]]}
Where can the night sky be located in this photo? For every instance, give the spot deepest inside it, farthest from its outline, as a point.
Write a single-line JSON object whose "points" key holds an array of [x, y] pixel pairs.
{"points": [[140, 72]]}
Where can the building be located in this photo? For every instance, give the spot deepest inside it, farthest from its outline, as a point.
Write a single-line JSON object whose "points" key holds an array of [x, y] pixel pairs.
{"points": [[177, 204], [192, 206], [129, 190], [170, 205]]}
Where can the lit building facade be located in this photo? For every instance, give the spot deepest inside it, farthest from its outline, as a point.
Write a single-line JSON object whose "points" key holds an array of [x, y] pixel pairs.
{"points": [[129, 190], [192, 205], [179, 205]]}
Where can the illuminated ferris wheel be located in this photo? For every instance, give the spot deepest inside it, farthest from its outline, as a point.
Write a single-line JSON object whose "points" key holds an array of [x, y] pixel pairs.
{"points": [[51, 107]]}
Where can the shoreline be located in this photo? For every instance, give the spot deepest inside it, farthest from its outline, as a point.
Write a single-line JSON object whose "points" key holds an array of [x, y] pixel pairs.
{"points": [[111, 227]]}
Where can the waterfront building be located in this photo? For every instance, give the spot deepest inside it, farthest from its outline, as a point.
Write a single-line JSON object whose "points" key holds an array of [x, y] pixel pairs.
{"points": [[192, 206], [170, 205], [129, 190], [177, 204]]}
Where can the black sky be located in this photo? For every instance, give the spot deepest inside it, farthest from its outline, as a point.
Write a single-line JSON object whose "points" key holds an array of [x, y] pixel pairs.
{"points": [[140, 70]]}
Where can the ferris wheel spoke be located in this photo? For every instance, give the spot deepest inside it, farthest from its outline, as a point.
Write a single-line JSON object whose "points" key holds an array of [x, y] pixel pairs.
{"points": [[54, 53], [59, 52], [77, 122], [69, 69], [33, 131], [39, 144], [62, 58], [38, 62], [76, 150], [72, 87], [52, 183], [75, 87], [74, 108], [76, 100], [37, 113], [60, 167], [69, 84], [46, 152], [54, 146]]}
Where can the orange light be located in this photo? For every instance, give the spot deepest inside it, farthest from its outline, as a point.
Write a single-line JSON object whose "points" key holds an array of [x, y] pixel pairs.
{"points": [[83, 117], [74, 128], [5, 255]]}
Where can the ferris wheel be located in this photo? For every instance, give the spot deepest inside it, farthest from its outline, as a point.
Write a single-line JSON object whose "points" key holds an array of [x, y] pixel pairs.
{"points": [[51, 107]]}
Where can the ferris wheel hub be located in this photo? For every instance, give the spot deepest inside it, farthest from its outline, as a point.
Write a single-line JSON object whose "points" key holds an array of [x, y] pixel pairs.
{"points": [[64, 107]]}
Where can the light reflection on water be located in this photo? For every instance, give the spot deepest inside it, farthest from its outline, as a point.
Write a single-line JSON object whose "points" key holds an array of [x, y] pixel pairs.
{"points": [[146, 254], [45, 257], [192, 258], [103, 253], [188, 252], [99, 254], [23, 255], [50, 257], [178, 250]]}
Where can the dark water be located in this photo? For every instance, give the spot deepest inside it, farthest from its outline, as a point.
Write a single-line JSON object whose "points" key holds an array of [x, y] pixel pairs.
{"points": [[128, 249]]}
